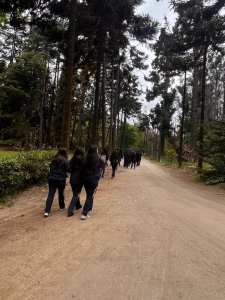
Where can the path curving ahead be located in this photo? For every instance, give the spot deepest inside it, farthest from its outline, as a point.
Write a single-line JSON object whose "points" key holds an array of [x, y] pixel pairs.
{"points": [[151, 236]]}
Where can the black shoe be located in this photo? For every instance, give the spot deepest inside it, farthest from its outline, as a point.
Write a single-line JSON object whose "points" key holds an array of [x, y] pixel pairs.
{"points": [[70, 214]]}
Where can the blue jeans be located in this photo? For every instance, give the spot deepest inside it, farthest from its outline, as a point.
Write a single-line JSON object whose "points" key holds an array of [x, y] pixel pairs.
{"points": [[53, 186]]}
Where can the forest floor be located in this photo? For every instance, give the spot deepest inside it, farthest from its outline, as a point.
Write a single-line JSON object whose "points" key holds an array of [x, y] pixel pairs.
{"points": [[154, 234]]}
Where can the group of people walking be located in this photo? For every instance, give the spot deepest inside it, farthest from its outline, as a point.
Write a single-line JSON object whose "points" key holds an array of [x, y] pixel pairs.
{"points": [[132, 158], [85, 171]]}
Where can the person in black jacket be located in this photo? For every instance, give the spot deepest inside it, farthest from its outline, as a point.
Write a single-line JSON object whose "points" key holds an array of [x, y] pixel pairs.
{"points": [[114, 159], [91, 173], [127, 158], [57, 179], [133, 159], [76, 164], [138, 157]]}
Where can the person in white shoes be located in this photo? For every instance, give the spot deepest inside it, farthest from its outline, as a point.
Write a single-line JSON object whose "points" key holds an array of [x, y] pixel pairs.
{"points": [[59, 168], [76, 164], [90, 174]]}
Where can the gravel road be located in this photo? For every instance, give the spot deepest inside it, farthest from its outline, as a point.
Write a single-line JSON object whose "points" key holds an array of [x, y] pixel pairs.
{"points": [[154, 234]]}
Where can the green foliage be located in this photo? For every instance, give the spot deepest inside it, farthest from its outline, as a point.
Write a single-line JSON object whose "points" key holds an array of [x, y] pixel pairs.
{"points": [[212, 177], [214, 145], [20, 94], [133, 136], [4, 154], [3, 19], [170, 155], [23, 169]]}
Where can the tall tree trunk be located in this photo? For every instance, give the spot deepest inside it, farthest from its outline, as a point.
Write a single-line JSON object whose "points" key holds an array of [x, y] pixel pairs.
{"points": [[118, 131], [52, 104], [115, 107], [103, 103], [94, 135], [41, 121], [194, 108], [111, 110], [13, 48], [182, 121], [81, 109], [146, 137], [223, 117], [155, 144], [123, 135], [202, 118], [121, 128], [161, 135], [66, 124], [73, 132], [41, 107], [90, 120]]}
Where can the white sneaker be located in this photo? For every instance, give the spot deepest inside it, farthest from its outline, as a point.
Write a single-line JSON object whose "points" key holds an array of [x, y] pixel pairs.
{"points": [[83, 217], [46, 214]]}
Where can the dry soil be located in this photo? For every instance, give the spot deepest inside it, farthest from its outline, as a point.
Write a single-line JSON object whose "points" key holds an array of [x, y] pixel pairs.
{"points": [[154, 234]]}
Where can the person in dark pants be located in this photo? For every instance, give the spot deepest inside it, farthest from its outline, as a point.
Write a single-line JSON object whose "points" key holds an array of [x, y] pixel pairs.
{"points": [[76, 165], [125, 159], [90, 174], [114, 159], [119, 157], [133, 160], [138, 158], [57, 180]]}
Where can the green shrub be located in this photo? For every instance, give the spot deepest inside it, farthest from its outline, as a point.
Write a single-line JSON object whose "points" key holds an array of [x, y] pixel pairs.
{"points": [[214, 154], [212, 177], [23, 169], [214, 145], [170, 157]]}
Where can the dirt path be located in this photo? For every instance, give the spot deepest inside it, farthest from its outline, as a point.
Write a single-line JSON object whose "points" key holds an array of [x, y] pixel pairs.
{"points": [[152, 235]]}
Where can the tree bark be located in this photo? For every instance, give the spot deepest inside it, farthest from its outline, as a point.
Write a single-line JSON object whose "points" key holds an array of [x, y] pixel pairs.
{"points": [[66, 124], [81, 108], [90, 120], [123, 135], [115, 107], [52, 104], [103, 103], [94, 135], [118, 131], [202, 118], [182, 121], [161, 135], [223, 117], [111, 110], [73, 132], [13, 49], [41, 107], [194, 108]]}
